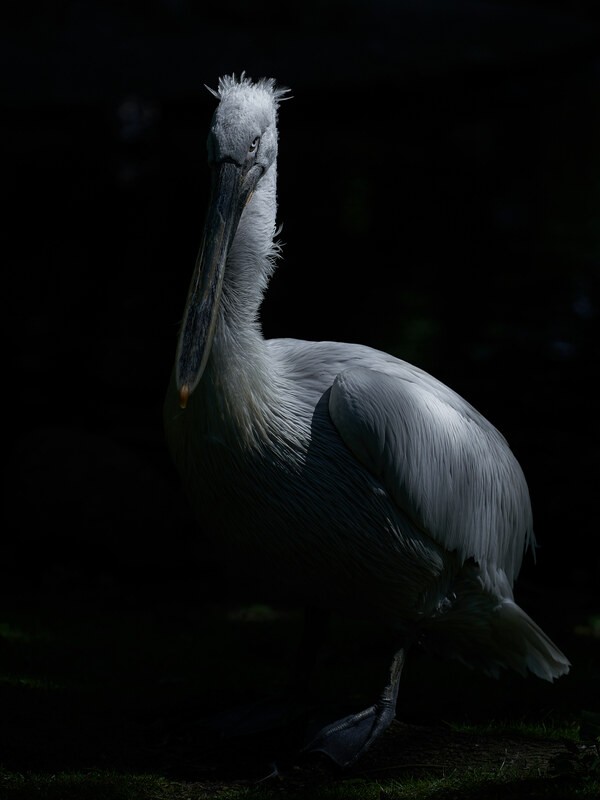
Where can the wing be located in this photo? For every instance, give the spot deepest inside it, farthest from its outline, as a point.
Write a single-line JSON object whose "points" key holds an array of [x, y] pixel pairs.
{"points": [[441, 461]]}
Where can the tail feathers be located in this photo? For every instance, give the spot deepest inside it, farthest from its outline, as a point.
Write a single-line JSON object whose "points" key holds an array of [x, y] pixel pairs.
{"points": [[525, 644], [493, 635]]}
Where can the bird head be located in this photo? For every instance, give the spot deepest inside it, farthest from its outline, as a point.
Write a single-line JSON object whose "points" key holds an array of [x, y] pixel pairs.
{"points": [[242, 146]]}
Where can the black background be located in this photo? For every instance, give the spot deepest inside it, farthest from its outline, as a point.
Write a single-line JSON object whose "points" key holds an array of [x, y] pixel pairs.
{"points": [[439, 177]]}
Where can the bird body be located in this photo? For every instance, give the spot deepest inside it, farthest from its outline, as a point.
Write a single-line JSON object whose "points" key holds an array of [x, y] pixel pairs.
{"points": [[352, 476]]}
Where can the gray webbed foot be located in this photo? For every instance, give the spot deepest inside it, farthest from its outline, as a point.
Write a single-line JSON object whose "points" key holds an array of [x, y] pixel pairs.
{"points": [[346, 740]]}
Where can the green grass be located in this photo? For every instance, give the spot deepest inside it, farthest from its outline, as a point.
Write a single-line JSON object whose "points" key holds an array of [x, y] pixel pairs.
{"points": [[114, 786], [560, 731], [93, 785]]}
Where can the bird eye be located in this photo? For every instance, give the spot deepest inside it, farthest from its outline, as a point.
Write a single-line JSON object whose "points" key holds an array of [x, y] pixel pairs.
{"points": [[254, 144]]}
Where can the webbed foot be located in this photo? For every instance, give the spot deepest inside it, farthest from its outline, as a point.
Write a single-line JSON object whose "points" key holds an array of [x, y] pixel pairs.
{"points": [[346, 740]]}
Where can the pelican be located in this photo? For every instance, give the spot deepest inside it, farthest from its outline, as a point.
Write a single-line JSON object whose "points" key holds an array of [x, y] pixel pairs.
{"points": [[348, 475]]}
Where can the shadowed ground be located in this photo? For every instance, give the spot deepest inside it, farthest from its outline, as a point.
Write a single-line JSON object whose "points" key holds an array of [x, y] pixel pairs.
{"points": [[103, 693]]}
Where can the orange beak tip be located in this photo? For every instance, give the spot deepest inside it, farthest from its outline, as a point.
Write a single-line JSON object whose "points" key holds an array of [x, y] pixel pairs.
{"points": [[184, 395]]}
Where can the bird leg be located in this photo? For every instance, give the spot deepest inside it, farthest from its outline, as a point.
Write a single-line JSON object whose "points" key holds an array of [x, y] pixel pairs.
{"points": [[349, 738]]}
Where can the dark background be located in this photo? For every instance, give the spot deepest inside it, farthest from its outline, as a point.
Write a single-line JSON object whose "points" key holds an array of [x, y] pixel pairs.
{"points": [[439, 190]]}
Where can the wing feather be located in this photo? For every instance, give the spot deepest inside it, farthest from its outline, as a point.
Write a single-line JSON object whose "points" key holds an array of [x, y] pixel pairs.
{"points": [[441, 461]]}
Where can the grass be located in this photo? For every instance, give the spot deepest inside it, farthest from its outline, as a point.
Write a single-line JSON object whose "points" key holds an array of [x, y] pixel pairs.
{"points": [[100, 691], [107, 785], [92, 785], [542, 730]]}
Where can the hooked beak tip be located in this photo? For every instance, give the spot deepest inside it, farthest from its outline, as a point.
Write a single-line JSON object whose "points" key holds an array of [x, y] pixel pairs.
{"points": [[184, 395]]}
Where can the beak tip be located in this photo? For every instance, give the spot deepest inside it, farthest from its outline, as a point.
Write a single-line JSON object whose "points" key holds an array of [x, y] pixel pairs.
{"points": [[184, 395]]}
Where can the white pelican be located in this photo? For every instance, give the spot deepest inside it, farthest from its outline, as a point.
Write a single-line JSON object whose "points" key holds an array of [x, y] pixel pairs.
{"points": [[354, 477]]}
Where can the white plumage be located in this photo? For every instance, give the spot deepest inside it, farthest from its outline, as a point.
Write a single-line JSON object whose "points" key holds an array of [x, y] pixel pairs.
{"points": [[354, 478]]}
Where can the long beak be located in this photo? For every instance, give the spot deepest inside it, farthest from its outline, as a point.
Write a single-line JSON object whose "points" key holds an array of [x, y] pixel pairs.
{"points": [[231, 190]]}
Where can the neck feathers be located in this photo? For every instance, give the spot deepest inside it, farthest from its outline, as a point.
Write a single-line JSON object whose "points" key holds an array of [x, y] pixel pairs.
{"points": [[252, 256], [239, 368]]}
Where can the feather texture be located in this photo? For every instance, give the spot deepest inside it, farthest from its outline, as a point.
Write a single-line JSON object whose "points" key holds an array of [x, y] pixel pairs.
{"points": [[348, 476]]}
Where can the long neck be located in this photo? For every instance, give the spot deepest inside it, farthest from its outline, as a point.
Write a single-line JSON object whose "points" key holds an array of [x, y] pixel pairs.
{"points": [[250, 259], [239, 372]]}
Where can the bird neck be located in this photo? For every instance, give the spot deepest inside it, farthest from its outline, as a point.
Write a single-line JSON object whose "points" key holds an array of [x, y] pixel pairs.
{"points": [[251, 258], [239, 369]]}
